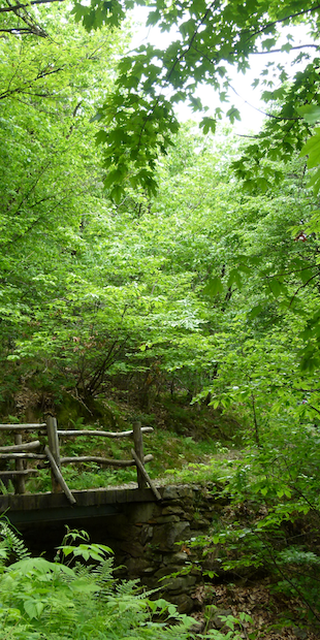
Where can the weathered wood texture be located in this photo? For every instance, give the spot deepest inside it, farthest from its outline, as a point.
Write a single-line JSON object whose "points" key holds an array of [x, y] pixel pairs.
{"points": [[107, 461], [21, 452], [22, 456], [105, 434], [53, 441], [145, 475], [22, 427], [23, 472], [138, 447], [58, 475], [26, 446], [19, 484], [92, 497]]}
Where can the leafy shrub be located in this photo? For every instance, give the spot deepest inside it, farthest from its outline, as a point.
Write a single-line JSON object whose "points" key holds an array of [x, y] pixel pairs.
{"points": [[43, 600], [272, 523], [11, 546]]}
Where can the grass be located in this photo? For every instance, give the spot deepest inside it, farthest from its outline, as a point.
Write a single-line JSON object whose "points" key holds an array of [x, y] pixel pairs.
{"points": [[176, 459], [184, 442]]}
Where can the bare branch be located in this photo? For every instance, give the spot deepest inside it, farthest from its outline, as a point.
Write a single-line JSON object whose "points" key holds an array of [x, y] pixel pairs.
{"points": [[264, 113], [281, 20], [301, 46], [25, 6], [316, 275]]}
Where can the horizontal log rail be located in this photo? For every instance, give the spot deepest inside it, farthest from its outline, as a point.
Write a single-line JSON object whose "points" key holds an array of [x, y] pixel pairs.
{"points": [[26, 446], [22, 427], [50, 452], [22, 456], [112, 462], [21, 472], [105, 434]]}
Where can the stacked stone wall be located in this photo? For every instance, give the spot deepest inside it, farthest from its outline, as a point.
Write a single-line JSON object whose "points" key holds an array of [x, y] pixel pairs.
{"points": [[152, 540]]}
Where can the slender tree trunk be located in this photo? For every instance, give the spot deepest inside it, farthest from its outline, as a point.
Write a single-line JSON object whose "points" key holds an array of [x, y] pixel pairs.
{"points": [[255, 422]]}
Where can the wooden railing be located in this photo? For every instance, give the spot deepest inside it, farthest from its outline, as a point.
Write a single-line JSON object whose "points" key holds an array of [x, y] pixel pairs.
{"points": [[47, 448]]}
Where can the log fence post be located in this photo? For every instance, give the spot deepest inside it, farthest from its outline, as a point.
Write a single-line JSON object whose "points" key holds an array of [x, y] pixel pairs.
{"points": [[138, 447], [53, 441], [19, 484]]}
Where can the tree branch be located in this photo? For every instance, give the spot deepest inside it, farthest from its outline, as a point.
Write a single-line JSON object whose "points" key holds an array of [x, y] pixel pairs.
{"points": [[281, 20], [15, 7], [28, 84], [301, 46], [264, 113], [302, 286]]}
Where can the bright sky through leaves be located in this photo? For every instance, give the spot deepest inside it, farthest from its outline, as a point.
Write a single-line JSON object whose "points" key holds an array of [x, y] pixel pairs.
{"points": [[244, 97]]}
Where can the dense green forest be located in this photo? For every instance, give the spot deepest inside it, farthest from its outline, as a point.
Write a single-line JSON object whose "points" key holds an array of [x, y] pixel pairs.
{"points": [[167, 273]]}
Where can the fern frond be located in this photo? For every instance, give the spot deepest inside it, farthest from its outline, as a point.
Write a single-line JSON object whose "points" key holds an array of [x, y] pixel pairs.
{"points": [[11, 541]]}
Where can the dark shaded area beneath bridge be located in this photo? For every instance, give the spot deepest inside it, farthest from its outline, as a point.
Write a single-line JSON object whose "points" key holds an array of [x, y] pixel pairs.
{"points": [[41, 518]]}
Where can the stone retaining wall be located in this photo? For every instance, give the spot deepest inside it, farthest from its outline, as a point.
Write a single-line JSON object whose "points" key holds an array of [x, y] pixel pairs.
{"points": [[151, 540]]}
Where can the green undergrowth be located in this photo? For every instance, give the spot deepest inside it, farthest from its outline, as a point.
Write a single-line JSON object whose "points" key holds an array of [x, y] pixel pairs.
{"points": [[183, 435], [269, 525], [76, 597], [175, 459]]}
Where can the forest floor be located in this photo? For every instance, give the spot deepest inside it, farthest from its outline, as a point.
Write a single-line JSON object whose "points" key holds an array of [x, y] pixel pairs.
{"points": [[274, 617]]}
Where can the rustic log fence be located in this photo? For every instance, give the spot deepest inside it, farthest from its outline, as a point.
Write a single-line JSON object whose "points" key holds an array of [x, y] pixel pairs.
{"points": [[47, 449]]}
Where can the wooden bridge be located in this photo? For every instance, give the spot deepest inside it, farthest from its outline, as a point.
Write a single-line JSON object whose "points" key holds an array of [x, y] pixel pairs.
{"points": [[61, 504]]}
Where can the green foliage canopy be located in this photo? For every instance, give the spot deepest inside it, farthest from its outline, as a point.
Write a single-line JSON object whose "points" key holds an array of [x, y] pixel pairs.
{"points": [[208, 39], [137, 117]]}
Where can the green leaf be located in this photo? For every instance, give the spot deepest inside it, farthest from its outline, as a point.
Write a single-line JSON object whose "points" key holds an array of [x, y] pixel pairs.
{"points": [[33, 608], [312, 149], [208, 124], [310, 112], [255, 311], [306, 275], [213, 286], [234, 278], [276, 287], [233, 114], [117, 193], [172, 610], [314, 181]]}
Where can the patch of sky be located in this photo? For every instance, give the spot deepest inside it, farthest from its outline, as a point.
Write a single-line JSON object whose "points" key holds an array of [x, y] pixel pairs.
{"points": [[245, 92]]}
